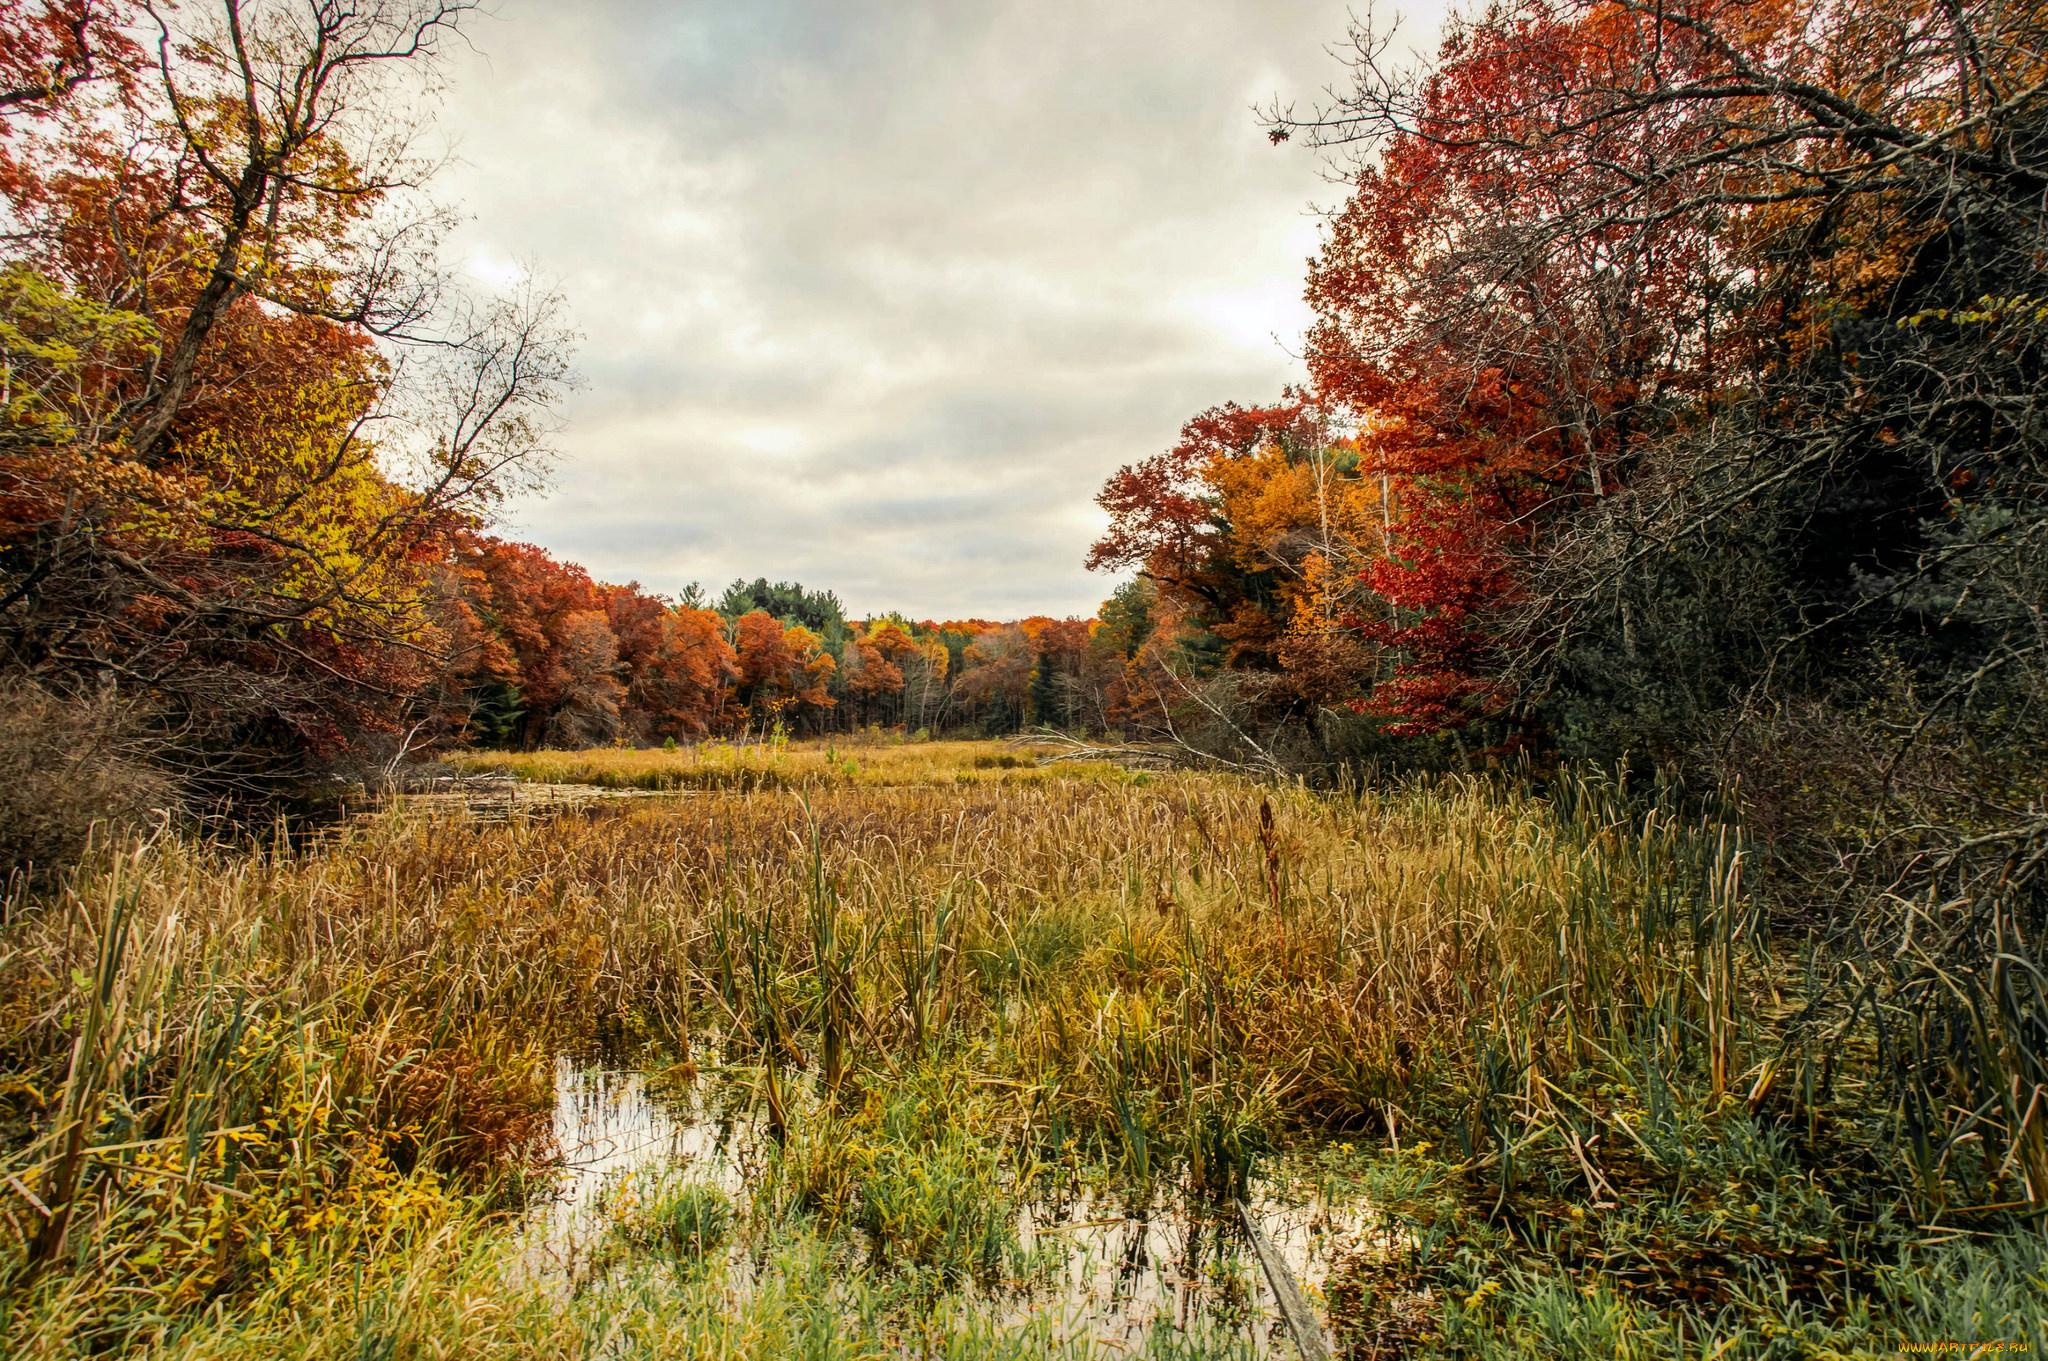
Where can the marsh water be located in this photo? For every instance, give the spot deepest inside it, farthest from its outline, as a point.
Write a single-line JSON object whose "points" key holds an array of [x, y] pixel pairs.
{"points": [[1112, 1265]]}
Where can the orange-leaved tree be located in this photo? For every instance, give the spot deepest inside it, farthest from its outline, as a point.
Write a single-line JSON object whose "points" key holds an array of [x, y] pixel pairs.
{"points": [[543, 654], [784, 671], [245, 406], [1251, 532]]}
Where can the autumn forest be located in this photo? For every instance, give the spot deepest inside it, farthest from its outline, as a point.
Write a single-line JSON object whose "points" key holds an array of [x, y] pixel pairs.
{"points": [[1548, 824]]}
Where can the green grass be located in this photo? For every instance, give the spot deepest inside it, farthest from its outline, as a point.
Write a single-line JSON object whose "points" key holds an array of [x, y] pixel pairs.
{"points": [[296, 1101]]}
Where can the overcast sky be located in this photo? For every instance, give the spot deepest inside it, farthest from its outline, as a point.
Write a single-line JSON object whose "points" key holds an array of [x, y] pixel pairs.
{"points": [[874, 297]]}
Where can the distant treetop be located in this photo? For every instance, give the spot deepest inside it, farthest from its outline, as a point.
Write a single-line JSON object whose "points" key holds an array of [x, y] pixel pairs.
{"points": [[788, 601]]}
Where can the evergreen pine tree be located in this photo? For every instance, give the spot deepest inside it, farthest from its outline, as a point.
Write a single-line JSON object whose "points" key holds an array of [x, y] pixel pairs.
{"points": [[1044, 693]]}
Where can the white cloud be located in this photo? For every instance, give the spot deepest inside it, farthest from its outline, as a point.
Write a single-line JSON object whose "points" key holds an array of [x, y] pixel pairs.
{"points": [[875, 297], [499, 274]]}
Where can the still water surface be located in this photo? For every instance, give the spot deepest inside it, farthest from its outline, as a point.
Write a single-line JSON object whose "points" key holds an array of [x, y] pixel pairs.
{"points": [[1123, 1271]]}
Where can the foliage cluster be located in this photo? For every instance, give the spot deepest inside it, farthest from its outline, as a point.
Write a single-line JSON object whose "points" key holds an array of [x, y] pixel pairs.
{"points": [[245, 405]]}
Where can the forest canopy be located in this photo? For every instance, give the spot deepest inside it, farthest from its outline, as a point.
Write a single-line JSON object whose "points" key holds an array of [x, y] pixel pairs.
{"points": [[247, 405]]}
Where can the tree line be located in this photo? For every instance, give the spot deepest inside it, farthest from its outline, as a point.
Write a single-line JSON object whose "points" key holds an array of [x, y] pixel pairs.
{"points": [[543, 655]]}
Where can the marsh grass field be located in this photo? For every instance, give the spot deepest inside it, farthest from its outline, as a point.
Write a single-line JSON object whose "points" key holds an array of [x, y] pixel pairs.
{"points": [[924, 1026], [739, 767]]}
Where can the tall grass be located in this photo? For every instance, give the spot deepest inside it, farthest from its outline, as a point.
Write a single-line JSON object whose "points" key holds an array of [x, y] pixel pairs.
{"points": [[260, 1089], [728, 767]]}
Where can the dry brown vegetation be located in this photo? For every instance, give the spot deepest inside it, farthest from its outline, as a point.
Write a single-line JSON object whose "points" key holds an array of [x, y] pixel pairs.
{"points": [[66, 764], [249, 1090], [730, 766]]}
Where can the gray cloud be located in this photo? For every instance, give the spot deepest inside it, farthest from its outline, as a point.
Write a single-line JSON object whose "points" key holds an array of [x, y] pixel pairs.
{"points": [[876, 296]]}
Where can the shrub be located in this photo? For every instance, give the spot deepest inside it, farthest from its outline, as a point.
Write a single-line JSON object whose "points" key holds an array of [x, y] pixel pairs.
{"points": [[66, 764]]}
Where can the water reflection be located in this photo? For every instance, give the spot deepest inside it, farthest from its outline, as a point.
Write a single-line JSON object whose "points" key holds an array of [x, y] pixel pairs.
{"points": [[608, 1125], [1106, 1266], [1177, 1263]]}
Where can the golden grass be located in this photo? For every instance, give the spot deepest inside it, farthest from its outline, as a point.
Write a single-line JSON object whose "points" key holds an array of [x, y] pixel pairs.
{"points": [[726, 766], [254, 1081]]}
